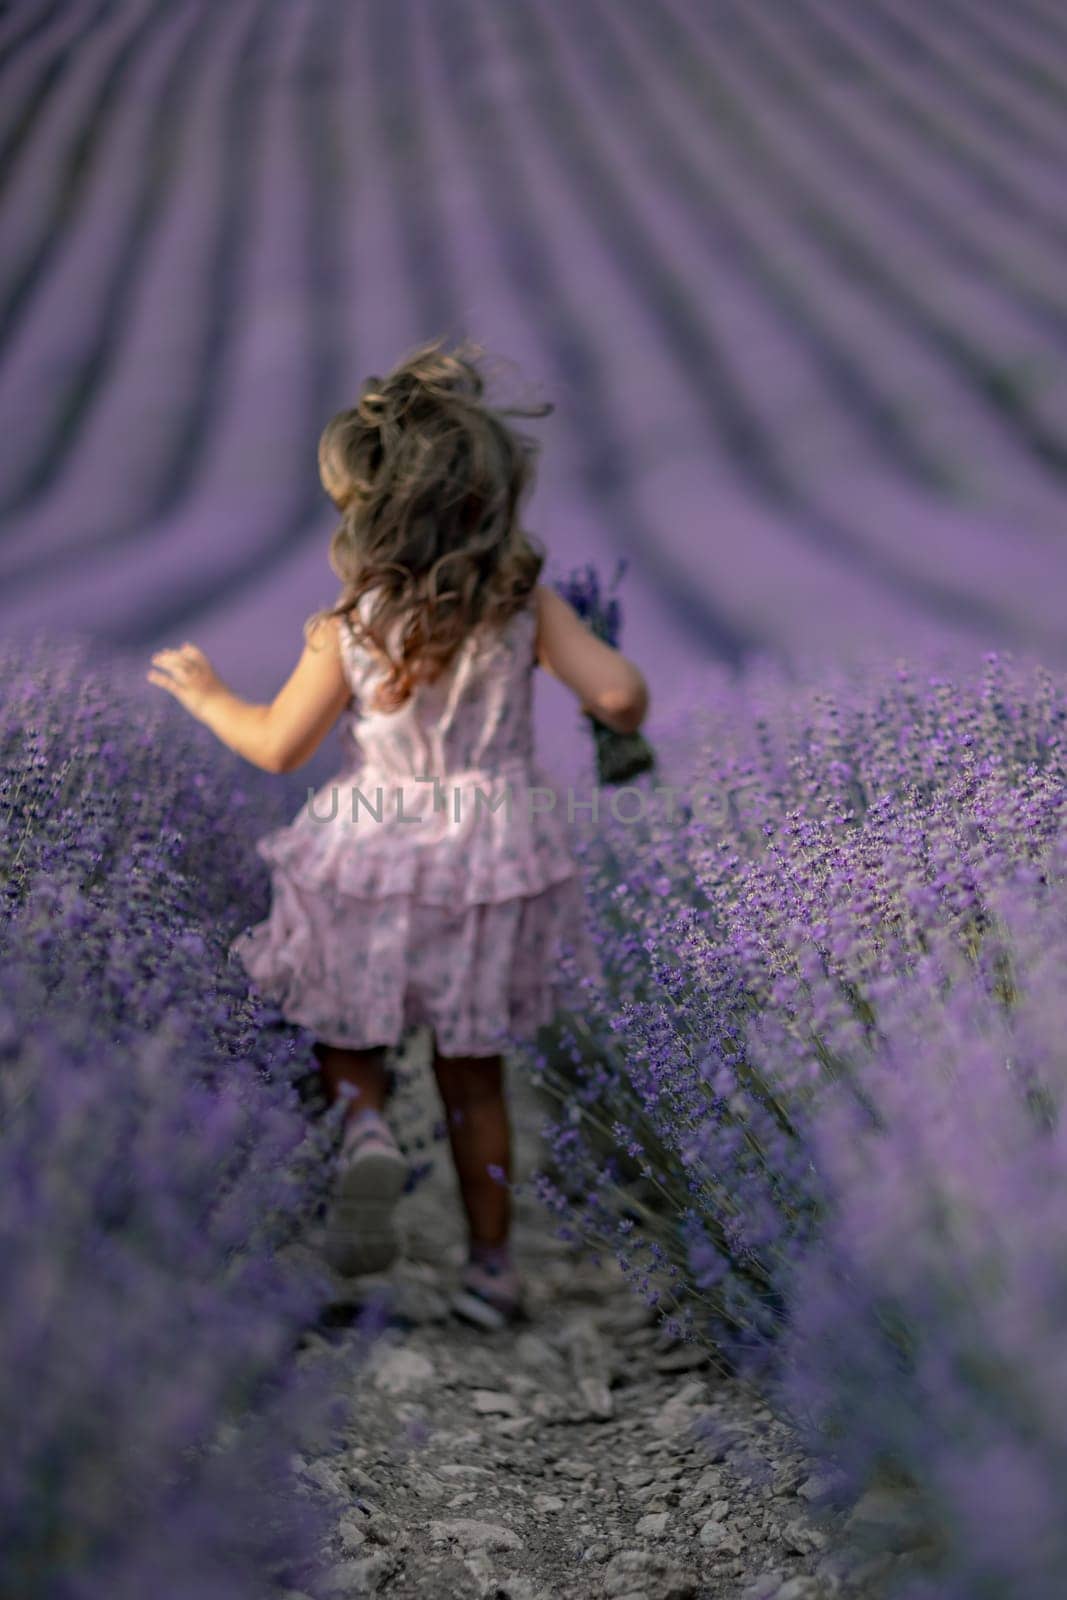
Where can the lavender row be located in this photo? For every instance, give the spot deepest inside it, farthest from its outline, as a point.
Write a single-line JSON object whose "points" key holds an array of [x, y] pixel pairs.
{"points": [[817, 1115], [156, 1165]]}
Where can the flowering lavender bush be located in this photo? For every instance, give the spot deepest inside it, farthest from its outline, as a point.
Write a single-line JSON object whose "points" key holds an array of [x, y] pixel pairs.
{"points": [[929, 1325], [619, 756], [154, 1163], [832, 1043]]}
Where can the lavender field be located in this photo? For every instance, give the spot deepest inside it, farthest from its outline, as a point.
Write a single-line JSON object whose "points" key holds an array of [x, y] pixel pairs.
{"points": [[792, 272]]}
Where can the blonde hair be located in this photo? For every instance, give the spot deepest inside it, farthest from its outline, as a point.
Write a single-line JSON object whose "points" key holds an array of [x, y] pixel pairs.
{"points": [[429, 480]]}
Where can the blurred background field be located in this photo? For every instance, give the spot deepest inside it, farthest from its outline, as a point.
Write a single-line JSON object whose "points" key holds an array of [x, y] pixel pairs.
{"points": [[792, 273]]}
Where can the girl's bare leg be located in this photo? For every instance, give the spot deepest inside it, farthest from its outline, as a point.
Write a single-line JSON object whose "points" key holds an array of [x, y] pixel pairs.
{"points": [[364, 1070], [472, 1092]]}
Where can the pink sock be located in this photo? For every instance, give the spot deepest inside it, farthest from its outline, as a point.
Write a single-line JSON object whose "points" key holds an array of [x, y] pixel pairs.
{"points": [[495, 1256], [356, 1118]]}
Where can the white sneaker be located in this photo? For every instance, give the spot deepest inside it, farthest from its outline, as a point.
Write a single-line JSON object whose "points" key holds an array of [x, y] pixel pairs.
{"points": [[489, 1297], [361, 1232]]}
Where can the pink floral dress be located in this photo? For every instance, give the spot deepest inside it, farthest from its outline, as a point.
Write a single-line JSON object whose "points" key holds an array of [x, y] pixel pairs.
{"points": [[399, 900]]}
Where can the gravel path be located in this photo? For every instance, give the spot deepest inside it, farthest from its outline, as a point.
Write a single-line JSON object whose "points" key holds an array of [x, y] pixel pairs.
{"points": [[557, 1460]]}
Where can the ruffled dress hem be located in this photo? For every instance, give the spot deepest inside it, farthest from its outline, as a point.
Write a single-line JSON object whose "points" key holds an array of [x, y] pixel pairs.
{"points": [[467, 969]]}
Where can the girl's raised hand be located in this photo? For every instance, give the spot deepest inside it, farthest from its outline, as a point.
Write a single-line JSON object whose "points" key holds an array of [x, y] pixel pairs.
{"points": [[187, 674]]}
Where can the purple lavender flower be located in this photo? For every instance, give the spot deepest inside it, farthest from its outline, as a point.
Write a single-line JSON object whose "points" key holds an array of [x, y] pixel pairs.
{"points": [[620, 756], [156, 1167]]}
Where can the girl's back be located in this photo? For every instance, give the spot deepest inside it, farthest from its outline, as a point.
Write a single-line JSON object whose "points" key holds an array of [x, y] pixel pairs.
{"points": [[476, 718], [444, 801]]}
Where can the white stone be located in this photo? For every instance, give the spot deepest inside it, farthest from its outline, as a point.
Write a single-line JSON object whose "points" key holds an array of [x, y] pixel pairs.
{"points": [[639, 1477], [519, 1588], [473, 1535], [513, 1427], [328, 1478], [673, 1419], [765, 1587], [814, 1488], [597, 1398], [802, 1538], [647, 1572], [351, 1534], [533, 1351], [654, 1526], [400, 1370], [693, 1390], [521, 1383], [495, 1402], [800, 1588], [359, 1577]]}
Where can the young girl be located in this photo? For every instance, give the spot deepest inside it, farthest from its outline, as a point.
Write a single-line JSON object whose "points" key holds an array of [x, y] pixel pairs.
{"points": [[437, 885]]}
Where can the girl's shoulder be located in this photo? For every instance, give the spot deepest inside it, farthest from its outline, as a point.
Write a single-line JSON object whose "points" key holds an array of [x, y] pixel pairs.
{"points": [[521, 623], [328, 630], [348, 621]]}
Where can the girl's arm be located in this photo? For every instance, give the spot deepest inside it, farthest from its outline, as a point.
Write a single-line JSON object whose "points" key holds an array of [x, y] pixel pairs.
{"points": [[279, 737], [606, 682]]}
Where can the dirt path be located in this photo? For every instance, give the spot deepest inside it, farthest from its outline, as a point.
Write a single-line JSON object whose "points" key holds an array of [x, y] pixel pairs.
{"points": [[555, 1462]]}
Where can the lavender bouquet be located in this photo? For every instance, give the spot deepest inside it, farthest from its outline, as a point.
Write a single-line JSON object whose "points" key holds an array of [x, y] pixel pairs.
{"points": [[619, 756]]}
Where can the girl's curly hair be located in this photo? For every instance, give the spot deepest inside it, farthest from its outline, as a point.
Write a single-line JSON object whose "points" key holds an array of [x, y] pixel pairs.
{"points": [[429, 480]]}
